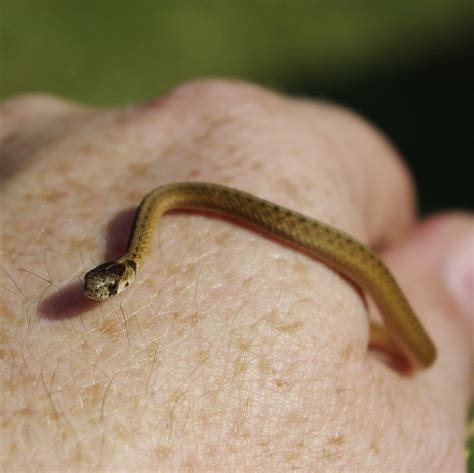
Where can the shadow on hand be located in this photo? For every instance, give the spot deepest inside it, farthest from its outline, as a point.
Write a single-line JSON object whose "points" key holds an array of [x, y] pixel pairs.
{"points": [[67, 302], [70, 301]]}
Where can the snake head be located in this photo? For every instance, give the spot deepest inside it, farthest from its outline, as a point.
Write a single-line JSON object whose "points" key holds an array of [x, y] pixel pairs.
{"points": [[108, 279]]}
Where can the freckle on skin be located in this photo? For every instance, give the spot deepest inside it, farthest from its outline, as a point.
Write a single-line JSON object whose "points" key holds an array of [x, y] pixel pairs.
{"points": [[272, 315], [87, 149], [300, 267], [194, 319], [211, 130], [248, 283], [91, 395], [244, 434], [53, 195], [228, 180], [137, 169], [244, 345], [336, 440], [374, 447], [282, 263], [265, 365], [223, 237], [203, 137], [231, 148], [391, 404], [282, 385], [180, 333], [134, 197], [82, 244], [27, 196], [291, 456], [257, 167], [52, 414], [171, 270], [150, 284], [291, 188], [191, 463], [109, 327], [293, 327], [295, 418], [7, 313], [194, 173], [240, 366], [169, 150], [201, 356], [162, 452], [13, 446], [299, 444], [347, 352]]}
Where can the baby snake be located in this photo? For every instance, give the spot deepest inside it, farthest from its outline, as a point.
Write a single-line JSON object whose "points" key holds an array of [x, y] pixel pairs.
{"points": [[406, 336]]}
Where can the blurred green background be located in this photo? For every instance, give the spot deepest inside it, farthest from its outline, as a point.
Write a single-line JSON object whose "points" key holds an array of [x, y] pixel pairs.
{"points": [[402, 63]]}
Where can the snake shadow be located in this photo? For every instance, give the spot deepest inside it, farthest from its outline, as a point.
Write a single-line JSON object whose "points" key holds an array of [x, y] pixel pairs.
{"points": [[69, 301]]}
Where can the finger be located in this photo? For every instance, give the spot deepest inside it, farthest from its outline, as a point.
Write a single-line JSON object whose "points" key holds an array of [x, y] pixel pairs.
{"points": [[436, 269]]}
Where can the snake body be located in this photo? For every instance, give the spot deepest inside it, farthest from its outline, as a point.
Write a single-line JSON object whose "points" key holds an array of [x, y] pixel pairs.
{"points": [[330, 245]]}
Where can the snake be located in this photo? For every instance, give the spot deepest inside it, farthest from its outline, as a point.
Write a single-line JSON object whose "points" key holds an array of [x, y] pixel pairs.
{"points": [[403, 336]]}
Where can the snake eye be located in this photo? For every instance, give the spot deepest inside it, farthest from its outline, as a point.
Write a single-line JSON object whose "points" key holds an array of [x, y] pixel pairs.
{"points": [[113, 288]]}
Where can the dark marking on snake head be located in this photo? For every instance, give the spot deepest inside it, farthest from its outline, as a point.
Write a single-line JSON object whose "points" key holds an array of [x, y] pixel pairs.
{"points": [[132, 264], [113, 288], [109, 267], [118, 269]]}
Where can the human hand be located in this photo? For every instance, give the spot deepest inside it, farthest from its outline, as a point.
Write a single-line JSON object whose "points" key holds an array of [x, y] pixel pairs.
{"points": [[231, 351]]}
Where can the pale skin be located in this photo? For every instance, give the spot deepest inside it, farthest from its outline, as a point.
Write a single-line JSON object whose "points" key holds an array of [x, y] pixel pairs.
{"points": [[231, 352]]}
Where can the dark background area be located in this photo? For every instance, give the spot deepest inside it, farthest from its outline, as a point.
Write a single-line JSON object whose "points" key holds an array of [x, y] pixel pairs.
{"points": [[427, 110], [403, 64]]}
